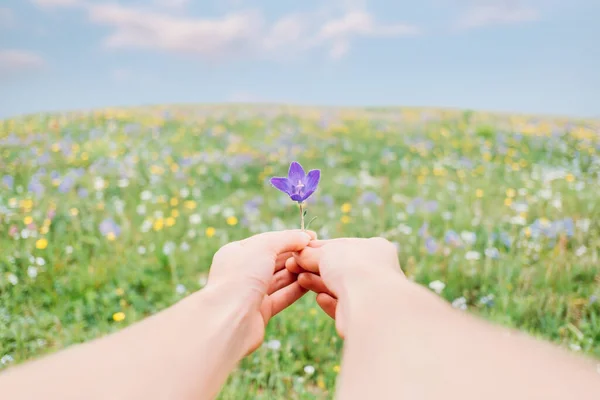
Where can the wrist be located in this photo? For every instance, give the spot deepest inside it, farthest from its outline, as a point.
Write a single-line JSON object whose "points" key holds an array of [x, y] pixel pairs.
{"points": [[377, 297], [224, 309]]}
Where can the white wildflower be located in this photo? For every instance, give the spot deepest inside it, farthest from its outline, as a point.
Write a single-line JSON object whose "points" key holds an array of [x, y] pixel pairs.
{"points": [[580, 251], [460, 303], [12, 278], [32, 271], [468, 237], [146, 195], [99, 183], [309, 370], [473, 255], [168, 248], [195, 219], [437, 286], [273, 344]]}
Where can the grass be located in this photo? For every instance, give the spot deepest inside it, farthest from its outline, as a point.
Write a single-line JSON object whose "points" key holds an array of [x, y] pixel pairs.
{"points": [[108, 216]]}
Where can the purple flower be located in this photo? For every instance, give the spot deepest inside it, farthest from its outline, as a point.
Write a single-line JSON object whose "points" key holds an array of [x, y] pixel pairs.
{"points": [[424, 230], [370, 198], [298, 185], [452, 238], [8, 181], [109, 226], [82, 192], [431, 245], [66, 184]]}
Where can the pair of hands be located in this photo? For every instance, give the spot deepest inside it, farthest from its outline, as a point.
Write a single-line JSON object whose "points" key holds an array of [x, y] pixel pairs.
{"points": [[274, 269]]}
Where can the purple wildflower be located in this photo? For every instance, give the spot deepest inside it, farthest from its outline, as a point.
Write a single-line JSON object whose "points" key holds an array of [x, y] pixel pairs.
{"points": [[431, 245], [298, 185], [452, 238], [36, 187], [370, 198], [66, 185], [8, 181], [109, 226], [82, 192], [431, 206], [424, 230]]}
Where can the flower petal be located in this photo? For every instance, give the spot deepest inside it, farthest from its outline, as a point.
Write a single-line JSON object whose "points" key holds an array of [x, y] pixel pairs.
{"points": [[312, 181], [306, 195], [296, 173], [282, 184], [297, 197]]}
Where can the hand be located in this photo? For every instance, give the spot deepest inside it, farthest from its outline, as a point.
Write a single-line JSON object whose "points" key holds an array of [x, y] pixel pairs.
{"points": [[335, 268], [254, 271]]}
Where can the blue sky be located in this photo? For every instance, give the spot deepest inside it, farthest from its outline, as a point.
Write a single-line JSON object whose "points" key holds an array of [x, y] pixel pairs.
{"points": [[533, 56]]}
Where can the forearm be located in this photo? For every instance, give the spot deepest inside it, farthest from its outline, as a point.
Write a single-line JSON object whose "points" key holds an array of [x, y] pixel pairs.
{"points": [[405, 342], [186, 351]]}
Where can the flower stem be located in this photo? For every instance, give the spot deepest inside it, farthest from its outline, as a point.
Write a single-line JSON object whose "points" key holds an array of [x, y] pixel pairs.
{"points": [[302, 216]]}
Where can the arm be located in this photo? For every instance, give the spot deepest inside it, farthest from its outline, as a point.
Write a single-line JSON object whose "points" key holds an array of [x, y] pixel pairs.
{"points": [[402, 341], [184, 352], [187, 350]]}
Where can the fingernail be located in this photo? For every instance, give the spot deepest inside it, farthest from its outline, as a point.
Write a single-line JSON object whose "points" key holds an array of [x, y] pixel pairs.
{"points": [[307, 236]]}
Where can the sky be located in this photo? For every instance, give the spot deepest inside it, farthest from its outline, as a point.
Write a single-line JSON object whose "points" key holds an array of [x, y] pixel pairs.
{"points": [[526, 56]]}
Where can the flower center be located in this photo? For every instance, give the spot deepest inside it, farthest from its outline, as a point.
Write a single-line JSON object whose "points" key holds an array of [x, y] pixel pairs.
{"points": [[298, 187]]}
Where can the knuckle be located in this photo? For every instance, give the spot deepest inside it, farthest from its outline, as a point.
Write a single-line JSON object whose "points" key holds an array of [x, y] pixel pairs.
{"points": [[383, 244]]}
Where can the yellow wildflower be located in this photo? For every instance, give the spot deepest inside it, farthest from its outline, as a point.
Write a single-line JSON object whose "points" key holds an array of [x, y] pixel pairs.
{"points": [[210, 231], [189, 204], [479, 193], [158, 224], [27, 220], [570, 178], [232, 220], [118, 316], [41, 243], [346, 207], [345, 219], [170, 221]]}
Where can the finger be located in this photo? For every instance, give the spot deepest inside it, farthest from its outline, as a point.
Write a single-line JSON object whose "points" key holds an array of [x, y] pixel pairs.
{"points": [[280, 280], [285, 297], [292, 266], [281, 242], [327, 303], [308, 259], [281, 259], [313, 282], [320, 243]]}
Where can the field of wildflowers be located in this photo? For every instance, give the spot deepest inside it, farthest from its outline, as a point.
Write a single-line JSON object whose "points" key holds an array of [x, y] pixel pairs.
{"points": [[108, 216]]}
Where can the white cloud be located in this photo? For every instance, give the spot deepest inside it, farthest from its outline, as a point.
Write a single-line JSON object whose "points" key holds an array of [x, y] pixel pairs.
{"points": [[172, 3], [146, 29], [13, 60], [57, 3], [338, 32], [497, 13], [7, 17], [241, 33]]}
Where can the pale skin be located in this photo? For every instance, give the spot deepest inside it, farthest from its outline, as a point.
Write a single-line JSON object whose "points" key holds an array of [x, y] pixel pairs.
{"points": [[401, 340]]}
